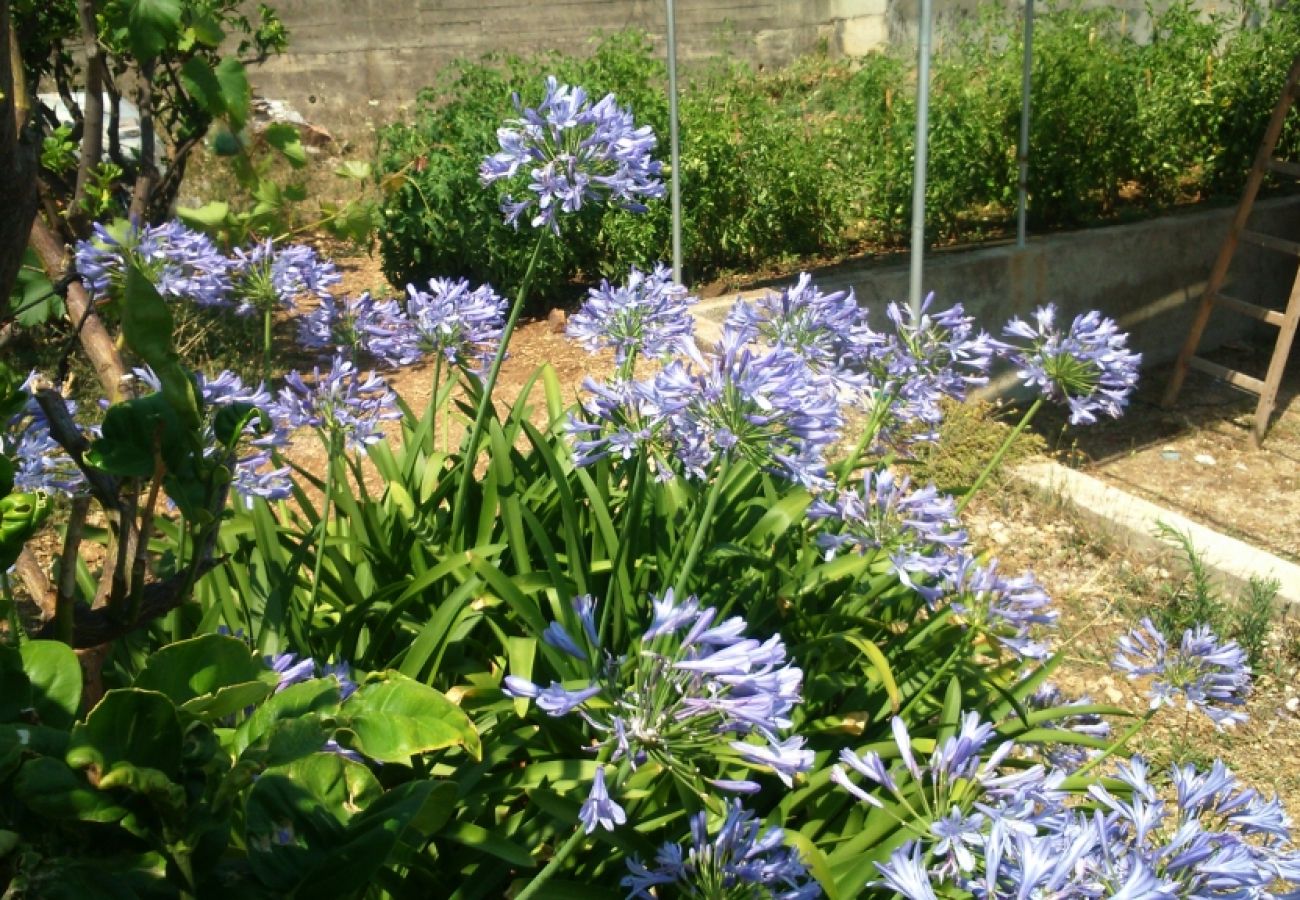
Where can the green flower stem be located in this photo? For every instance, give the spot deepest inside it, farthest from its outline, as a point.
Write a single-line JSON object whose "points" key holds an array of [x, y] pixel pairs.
{"points": [[1117, 746], [268, 315], [575, 839], [552, 867], [996, 459], [609, 617], [959, 652], [485, 401], [332, 449], [431, 409], [701, 529], [873, 425]]}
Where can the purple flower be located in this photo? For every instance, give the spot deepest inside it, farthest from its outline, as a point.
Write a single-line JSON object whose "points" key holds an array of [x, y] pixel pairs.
{"points": [[1207, 674], [1067, 756], [1006, 608], [182, 264], [292, 669], [267, 277], [40, 463], [348, 325], [255, 473], [1089, 367], [768, 408], [599, 809], [915, 530], [685, 689], [461, 324], [574, 152], [927, 358], [828, 332], [741, 860], [342, 403], [647, 316], [906, 875]]}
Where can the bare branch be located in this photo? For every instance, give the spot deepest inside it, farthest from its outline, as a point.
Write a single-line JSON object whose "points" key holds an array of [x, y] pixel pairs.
{"points": [[95, 339]]}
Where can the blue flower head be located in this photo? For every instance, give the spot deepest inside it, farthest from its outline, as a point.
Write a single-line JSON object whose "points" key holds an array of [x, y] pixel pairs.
{"points": [[573, 153]]}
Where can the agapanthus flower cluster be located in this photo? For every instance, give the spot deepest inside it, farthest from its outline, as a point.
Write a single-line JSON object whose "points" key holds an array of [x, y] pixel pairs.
{"points": [[460, 323], [348, 325], [182, 264], [929, 356], [294, 669], [1068, 756], [829, 332], [574, 153], [268, 276], [961, 791], [343, 403], [254, 474], [918, 531], [648, 315], [40, 464], [690, 691], [1207, 674], [1002, 833], [768, 408], [741, 860], [1008, 609], [1089, 367]]}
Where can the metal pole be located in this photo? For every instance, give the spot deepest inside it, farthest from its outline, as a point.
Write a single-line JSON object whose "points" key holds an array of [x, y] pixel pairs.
{"points": [[674, 148], [1022, 158], [919, 169]]}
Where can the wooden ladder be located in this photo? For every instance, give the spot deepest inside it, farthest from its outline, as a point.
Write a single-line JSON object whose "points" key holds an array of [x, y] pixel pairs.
{"points": [[1285, 321]]}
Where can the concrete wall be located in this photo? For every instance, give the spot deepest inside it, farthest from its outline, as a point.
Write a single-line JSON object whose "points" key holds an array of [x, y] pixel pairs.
{"points": [[1148, 275], [351, 64]]}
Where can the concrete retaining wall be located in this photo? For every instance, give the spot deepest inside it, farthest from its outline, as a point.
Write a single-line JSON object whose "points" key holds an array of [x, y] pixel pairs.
{"points": [[1147, 275]]}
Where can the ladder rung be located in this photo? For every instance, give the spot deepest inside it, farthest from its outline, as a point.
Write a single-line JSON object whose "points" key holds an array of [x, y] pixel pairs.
{"points": [[1232, 376], [1282, 167], [1273, 243], [1271, 316]]}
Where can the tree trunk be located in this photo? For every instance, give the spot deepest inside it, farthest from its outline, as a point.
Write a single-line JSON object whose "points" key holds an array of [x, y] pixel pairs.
{"points": [[18, 158], [95, 339]]}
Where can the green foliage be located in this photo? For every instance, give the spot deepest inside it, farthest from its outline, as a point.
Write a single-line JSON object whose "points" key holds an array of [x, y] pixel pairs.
{"points": [[197, 780], [778, 165], [1197, 599]]}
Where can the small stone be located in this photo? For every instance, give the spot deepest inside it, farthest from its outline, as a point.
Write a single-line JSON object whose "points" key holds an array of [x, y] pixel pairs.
{"points": [[557, 319], [1170, 454], [1205, 459], [1292, 704]]}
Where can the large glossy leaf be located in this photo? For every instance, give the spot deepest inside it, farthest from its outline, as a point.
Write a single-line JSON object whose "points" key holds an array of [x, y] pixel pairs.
{"points": [[296, 816], [203, 666], [48, 787], [132, 726], [55, 676], [394, 718], [152, 25], [15, 689]]}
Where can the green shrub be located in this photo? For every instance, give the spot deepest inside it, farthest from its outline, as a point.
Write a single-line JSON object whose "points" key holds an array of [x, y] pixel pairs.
{"points": [[816, 159]]}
